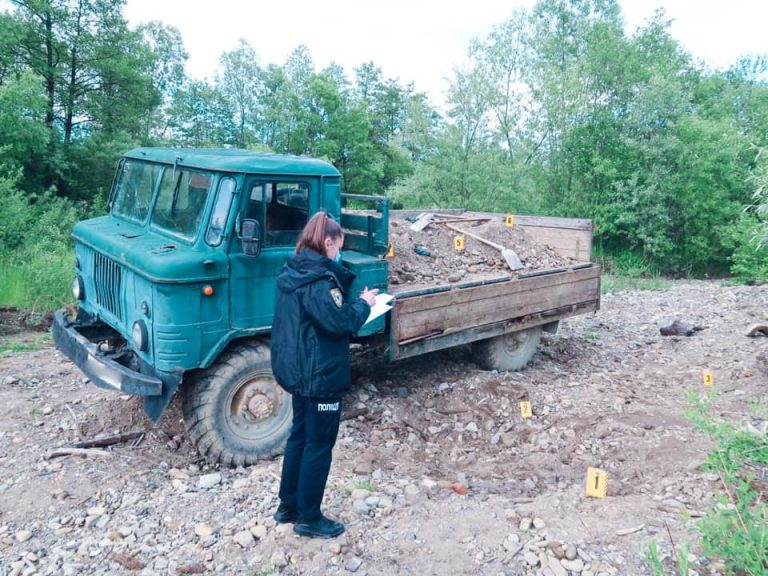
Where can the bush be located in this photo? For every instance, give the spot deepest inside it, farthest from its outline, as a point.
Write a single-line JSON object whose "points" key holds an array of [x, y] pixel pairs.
{"points": [[15, 214], [36, 248], [749, 259]]}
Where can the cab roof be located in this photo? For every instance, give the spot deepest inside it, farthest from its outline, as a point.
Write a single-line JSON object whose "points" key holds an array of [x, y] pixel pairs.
{"points": [[235, 160]]}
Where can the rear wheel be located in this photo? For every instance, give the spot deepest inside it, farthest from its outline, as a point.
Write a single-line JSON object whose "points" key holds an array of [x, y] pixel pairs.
{"points": [[234, 411], [510, 351]]}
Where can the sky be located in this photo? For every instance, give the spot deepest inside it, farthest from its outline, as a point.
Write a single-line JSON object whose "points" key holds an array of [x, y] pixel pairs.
{"points": [[420, 41]]}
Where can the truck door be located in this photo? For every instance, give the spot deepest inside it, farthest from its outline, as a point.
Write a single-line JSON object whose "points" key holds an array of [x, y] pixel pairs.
{"points": [[282, 206]]}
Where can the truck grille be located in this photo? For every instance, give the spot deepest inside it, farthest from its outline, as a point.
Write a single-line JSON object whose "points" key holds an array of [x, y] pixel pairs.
{"points": [[108, 278]]}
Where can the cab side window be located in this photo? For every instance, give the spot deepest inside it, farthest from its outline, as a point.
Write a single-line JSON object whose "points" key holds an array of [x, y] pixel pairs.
{"points": [[282, 208]]}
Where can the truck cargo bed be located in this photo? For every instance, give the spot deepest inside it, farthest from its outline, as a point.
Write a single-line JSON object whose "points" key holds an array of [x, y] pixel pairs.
{"points": [[432, 319]]}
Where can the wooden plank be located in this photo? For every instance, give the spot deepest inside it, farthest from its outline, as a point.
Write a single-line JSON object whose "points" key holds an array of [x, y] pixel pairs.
{"points": [[488, 310], [464, 309], [399, 350], [575, 244], [521, 219], [554, 222], [509, 288]]}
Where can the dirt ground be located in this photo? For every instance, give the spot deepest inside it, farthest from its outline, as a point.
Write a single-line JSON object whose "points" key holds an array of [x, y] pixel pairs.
{"points": [[607, 391]]}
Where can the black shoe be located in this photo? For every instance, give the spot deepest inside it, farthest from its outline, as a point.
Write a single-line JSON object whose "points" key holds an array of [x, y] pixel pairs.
{"points": [[286, 514], [320, 527]]}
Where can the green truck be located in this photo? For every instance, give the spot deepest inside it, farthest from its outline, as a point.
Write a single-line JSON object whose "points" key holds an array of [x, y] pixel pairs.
{"points": [[175, 289]]}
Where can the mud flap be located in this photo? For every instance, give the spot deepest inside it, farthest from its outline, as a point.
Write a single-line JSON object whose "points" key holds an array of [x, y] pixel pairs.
{"points": [[154, 406]]}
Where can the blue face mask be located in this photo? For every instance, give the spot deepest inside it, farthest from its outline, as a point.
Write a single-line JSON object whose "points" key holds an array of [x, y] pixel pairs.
{"points": [[337, 259]]}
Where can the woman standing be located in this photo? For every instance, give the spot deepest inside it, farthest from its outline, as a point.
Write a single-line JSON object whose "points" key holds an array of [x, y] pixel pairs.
{"points": [[314, 319]]}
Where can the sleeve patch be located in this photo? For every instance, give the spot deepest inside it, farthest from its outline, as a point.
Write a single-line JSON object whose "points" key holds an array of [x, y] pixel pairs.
{"points": [[338, 299]]}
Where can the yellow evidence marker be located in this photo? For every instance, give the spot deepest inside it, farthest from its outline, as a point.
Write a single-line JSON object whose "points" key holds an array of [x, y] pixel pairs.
{"points": [[391, 251], [597, 483], [509, 220], [458, 243], [525, 409], [709, 378]]}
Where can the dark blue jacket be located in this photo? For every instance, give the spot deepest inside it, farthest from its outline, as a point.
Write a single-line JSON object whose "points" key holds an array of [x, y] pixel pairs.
{"points": [[314, 318]]}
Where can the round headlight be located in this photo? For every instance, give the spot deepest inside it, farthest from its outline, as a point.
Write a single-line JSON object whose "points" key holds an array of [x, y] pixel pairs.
{"points": [[140, 335], [78, 288]]}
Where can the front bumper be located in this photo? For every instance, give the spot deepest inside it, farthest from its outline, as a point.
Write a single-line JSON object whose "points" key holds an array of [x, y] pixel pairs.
{"points": [[102, 370]]}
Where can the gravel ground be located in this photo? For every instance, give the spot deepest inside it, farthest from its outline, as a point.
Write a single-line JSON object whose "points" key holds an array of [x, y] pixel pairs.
{"points": [[439, 475]]}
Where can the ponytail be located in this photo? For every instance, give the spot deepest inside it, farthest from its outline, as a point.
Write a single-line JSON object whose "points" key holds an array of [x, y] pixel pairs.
{"points": [[319, 227]]}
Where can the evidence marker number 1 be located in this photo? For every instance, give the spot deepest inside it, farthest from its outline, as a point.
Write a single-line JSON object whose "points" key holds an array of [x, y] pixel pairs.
{"points": [[597, 483]]}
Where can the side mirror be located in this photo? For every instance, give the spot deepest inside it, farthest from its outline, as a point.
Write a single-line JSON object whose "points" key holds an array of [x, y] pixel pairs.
{"points": [[250, 237]]}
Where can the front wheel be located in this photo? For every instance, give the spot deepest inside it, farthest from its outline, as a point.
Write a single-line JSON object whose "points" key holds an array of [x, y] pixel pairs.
{"points": [[234, 411], [509, 351]]}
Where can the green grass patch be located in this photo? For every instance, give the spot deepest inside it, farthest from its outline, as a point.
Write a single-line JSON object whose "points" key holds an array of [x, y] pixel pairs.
{"points": [[735, 530], [16, 344], [37, 280], [620, 282], [12, 285]]}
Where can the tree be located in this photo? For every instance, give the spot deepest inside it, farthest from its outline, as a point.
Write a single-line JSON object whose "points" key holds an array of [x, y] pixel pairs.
{"points": [[22, 130], [92, 67], [164, 59], [202, 117], [240, 82]]}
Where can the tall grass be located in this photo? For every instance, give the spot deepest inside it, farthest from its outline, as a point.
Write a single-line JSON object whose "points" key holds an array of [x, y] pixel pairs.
{"points": [[36, 280], [12, 290]]}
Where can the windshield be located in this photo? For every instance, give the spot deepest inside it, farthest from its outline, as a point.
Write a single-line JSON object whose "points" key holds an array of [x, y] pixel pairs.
{"points": [[135, 188], [181, 201]]}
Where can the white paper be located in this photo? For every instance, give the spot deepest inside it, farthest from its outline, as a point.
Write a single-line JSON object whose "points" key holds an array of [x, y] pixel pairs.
{"points": [[380, 306]]}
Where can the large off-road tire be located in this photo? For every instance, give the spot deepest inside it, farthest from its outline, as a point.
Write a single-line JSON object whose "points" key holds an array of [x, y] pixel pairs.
{"points": [[510, 351], [234, 411]]}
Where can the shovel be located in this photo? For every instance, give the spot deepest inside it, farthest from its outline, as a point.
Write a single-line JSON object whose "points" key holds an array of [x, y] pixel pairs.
{"points": [[507, 253], [423, 220]]}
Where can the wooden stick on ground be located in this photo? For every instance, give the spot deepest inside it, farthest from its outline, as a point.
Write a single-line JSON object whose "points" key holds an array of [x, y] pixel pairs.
{"points": [[75, 452], [416, 429], [107, 440]]}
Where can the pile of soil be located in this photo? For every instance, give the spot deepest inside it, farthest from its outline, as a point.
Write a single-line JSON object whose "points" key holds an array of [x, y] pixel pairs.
{"points": [[428, 256]]}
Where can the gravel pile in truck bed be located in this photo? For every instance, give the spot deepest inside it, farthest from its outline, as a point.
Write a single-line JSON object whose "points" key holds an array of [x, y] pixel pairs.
{"points": [[428, 257]]}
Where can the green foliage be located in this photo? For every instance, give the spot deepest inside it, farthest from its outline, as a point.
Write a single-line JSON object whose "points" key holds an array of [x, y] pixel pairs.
{"points": [[759, 180], [36, 254], [749, 257], [558, 111], [655, 562], [736, 529], [484, 182], [15, 214], [618, 283], [653, 558], [570, 116]]}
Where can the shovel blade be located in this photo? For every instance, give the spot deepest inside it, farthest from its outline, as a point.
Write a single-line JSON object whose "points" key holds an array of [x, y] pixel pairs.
{"points": [[422, 222], [513, 261]]}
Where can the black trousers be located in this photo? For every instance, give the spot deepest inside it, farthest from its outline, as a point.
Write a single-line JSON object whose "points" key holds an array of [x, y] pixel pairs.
{"points": [[308, 454]]}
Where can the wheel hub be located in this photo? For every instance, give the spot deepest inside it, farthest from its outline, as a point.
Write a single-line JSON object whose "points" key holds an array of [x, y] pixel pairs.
{"points": [[513, 340], [260, 406], [252, 403]]}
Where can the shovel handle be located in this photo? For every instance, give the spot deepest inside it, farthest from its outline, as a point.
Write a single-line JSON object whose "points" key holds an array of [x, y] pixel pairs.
{"points": [[475, 236]]}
